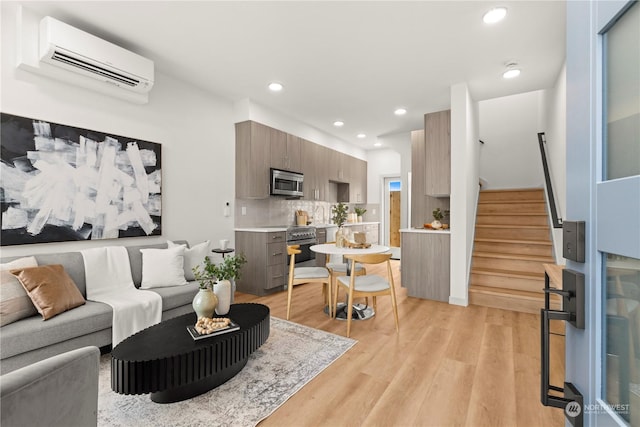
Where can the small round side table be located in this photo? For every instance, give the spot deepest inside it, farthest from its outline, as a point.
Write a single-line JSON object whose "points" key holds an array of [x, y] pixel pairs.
{"points": [[222, 251]]}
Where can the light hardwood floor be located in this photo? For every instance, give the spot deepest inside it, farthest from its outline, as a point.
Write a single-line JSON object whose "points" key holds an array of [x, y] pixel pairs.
{"points": [[448, 366]]}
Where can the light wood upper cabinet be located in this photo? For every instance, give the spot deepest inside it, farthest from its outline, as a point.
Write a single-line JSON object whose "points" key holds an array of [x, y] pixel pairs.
{"points": [[260, 147], [358, 181], [285, 151], [315, 159], [437, 133], [252, 160]]}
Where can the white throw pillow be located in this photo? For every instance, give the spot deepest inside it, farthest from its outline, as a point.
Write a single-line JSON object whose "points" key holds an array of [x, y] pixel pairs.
{"points": [[162, 268], [192, 256]]}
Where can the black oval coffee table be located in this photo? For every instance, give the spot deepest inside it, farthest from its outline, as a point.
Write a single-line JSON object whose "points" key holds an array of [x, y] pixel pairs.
{"points": [[165, 361]]}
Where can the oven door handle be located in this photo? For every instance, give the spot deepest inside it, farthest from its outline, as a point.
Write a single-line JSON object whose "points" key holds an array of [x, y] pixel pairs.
{"points": [[303, 242]]}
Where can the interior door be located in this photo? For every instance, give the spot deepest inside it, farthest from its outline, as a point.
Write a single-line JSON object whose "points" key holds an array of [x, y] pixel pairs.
{"points": [[603, 188]]}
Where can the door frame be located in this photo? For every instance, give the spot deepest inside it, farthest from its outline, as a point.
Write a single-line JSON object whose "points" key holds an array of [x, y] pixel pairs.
{"points": [[384, 200], [586, 22]]}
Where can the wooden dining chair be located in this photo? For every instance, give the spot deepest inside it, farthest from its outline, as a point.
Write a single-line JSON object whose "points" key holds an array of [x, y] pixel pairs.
{"points": [[337, 267], [300, 275], [368, 285]]}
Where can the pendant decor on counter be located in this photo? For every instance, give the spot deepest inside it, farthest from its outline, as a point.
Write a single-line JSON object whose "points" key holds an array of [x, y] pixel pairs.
{"points": [[205, 302], [340, 237], [222, 290]]}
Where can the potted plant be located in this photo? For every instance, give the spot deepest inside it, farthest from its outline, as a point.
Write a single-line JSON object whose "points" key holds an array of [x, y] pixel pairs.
{"points": [[360, 212], [219, 278], [205, 301], [438, 216], [339, 217]]}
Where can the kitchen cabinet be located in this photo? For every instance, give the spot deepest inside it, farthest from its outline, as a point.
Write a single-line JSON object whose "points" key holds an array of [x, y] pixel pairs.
{"points": [[422, 205], [437, 155], [321, 235], [358, 181], [252, 160], [285, 151], [315, 159], [266, 269], [339, 167], [425, 264], [260, 148]]}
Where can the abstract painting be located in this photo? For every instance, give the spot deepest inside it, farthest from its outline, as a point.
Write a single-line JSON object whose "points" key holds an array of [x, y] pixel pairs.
{"points": [[60, 183]]}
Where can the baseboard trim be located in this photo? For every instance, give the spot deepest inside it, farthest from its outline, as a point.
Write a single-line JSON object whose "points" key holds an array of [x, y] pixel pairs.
{"points": [[459, 301]]}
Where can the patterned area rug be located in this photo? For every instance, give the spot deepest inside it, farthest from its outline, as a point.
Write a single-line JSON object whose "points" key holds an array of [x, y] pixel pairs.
{"points": [[292, 356]]}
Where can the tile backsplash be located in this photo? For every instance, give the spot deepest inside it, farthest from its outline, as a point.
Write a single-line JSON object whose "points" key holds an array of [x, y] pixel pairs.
{"points": [[280, 211]]}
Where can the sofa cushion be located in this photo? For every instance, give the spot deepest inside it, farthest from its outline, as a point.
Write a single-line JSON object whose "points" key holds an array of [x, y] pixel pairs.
{"points": [[193, 256], [50, 288], [177, 296], [32, 333], [15, 304], [135, 259], [163, 267]]}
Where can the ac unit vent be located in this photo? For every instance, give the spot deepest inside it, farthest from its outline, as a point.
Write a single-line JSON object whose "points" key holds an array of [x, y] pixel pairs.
{"points": [[77, 62], [74, 50]]}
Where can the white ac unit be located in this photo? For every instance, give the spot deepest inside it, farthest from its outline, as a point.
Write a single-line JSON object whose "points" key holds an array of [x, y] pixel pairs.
{"points": [[75, 50]]}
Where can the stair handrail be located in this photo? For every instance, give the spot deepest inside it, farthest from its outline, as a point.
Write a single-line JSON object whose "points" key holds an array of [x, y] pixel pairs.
{"points": [[555, 220]]}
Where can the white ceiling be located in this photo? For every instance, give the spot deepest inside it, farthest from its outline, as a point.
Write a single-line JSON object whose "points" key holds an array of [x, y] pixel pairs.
{"points": [[354, 61]]}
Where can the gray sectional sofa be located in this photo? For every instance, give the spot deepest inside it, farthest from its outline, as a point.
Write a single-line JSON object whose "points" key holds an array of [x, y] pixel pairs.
{"points": [[32, 339]]}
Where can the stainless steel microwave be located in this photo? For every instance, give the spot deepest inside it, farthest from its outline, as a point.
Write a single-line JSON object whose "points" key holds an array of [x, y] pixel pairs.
{"points": [[286, 183]]}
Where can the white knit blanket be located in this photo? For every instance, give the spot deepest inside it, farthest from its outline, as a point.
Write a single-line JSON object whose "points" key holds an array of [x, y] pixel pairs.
{"points": [[108, 278]]}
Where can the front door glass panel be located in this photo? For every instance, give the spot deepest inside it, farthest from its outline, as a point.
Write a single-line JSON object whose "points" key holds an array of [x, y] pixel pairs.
{"points": [[622, 100]]}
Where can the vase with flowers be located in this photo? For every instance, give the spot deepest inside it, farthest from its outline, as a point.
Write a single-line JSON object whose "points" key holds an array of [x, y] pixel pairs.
{"points": [[339, 216]]}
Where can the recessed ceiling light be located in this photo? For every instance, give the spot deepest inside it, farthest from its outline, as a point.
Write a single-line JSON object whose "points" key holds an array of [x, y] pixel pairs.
{"points": [[511, 71], [275, 87], [338, 123], [361, 135], [378, 144], [496, 14], [400, 111]]}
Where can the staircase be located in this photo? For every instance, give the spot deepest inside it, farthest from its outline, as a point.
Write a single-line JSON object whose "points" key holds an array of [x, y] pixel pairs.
{"points": [[512, 242]]}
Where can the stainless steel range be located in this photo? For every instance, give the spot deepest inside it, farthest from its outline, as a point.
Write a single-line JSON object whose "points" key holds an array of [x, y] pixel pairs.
{"points": [[305, 237]]}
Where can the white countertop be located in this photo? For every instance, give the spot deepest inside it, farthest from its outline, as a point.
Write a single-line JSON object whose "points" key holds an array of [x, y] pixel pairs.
{"points": [[424, 230], [276, 228], [265, 229]]}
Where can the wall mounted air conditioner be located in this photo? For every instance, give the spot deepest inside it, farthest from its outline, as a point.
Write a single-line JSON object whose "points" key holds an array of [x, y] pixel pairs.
{"points": [[64, 46]]}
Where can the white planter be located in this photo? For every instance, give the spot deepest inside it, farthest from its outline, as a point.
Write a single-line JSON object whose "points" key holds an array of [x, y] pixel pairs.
{"points": [[222, 289]]}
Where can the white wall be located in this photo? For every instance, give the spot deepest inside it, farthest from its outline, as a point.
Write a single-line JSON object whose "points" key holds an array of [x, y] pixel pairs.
{"points": [[555, 127], [380, 163], [509, 126], [465, 153], [195, 129]]}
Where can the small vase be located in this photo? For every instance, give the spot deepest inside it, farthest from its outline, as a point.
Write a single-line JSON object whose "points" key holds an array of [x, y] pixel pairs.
{"points": [[204, 303], [222, 289], [340, 237]]}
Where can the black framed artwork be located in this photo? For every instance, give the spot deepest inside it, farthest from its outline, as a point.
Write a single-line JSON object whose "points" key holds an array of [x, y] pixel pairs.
{"points": [[61, 183]]}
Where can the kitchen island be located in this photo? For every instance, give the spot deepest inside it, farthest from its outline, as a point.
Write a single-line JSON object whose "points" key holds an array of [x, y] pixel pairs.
{"points": [[425, 263]]}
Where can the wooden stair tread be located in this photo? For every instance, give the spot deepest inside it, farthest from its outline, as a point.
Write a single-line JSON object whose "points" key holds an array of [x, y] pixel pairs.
{"points": [[528, 227], [508, 273], [509, 202], [524, 242], [487, 290], [499, 255], [512, 214], [512, 190]]}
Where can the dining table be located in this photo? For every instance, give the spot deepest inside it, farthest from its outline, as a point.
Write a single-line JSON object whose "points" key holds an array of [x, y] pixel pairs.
{"points": [[360, 311]]}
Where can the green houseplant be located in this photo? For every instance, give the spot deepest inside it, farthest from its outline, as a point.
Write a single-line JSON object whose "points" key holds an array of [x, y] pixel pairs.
{"points": [[339, 212], [438, 216], [360, 212], [339, 217]]}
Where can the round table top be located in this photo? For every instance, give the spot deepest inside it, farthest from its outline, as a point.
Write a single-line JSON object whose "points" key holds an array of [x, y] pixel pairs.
{"points": [[332, 249]]}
